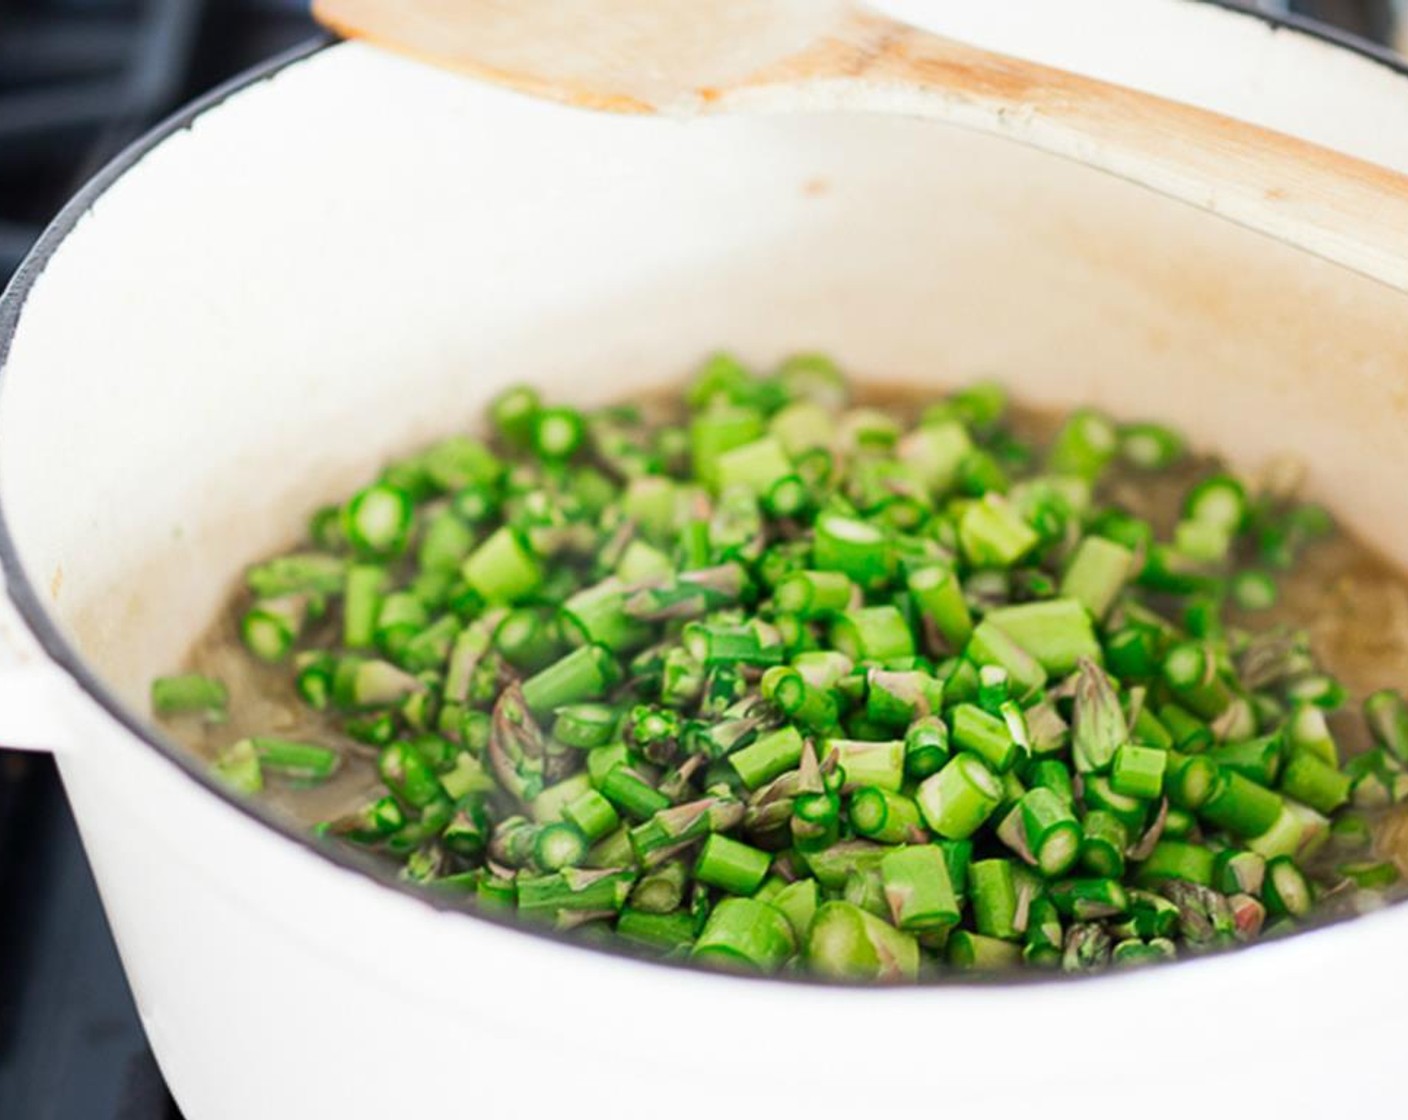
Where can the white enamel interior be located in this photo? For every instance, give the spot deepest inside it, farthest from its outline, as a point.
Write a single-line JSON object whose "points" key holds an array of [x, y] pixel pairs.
{"points": [[351, 257]]}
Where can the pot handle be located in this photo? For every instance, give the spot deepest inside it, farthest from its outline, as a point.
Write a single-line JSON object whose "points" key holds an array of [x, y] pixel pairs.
{"points": [[32, 687]]}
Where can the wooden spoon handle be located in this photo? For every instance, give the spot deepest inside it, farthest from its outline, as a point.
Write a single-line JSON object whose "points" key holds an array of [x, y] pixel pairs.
{"points": [[810, 54], [1335, 206]]}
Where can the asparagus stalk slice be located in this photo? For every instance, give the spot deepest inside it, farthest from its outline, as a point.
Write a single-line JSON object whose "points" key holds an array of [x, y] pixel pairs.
{"points": [[1086, 443], [661, 889], [584, 674], [308, 762], [1150, 915], [585, 725], [1056, 632], [936, 451], [1090, 899], [866, 889], [1097, 574], [1098, 793], [959, 798], [990, 645], [360, 684], [852, 547], [575, 890], [993, 894], [400, 616], [557, 433], [798, 903], [632, 794], [984, 735], [1191, 674], [668, 933], [848, 943], [447, 541], [799, 700], [816, 824], [730, 865], [270, 627], [1045, 936], [1240, 806], [593, 815], [973, 952], [1052, 834], [1387, 715], [831, 865], [768, 756], [1192, 780], [1150, 447], [867, 763], [409, 776], [1370, 875], [1055, 775], [190, 694], [503, 569], [872, 634], [744, 934], [1298, 830], [1237, 872], [238, 767], [993, 534], [670, 829], [1248, 916], [896, 699], [299, 573], [815, 594], [1308, 730], [1258, 760], [1133, 954], [1173, 859], [1103, 844], [1189, 733], [512, 413], [377, 520], [559, 845], [926, 748], [612, 850], [371, 822], [938, 596], [1138, 771], [1310, 779], [885, 817], [918, 889], [1287, 891]]}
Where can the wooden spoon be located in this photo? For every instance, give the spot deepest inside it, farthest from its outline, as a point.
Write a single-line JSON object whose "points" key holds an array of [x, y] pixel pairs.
{"points": [[684, 56]]}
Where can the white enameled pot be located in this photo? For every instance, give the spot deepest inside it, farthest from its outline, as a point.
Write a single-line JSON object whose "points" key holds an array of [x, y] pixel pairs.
{"points": [[347, 254]]}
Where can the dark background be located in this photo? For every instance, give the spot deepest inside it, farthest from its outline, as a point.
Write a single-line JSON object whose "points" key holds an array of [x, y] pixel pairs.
{"points": [[79, 79]]}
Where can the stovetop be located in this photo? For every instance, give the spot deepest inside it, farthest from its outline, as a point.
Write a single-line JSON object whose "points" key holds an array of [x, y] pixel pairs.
{"points": [[78, 80], [70, 1044]]}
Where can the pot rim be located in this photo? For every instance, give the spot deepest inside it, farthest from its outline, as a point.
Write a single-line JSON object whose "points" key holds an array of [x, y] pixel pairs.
{"points": [[22, 592]]}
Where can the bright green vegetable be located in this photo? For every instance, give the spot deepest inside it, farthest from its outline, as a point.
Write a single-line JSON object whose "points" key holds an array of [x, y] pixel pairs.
{"points": [[782, 683], [190, 694]]}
